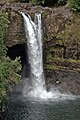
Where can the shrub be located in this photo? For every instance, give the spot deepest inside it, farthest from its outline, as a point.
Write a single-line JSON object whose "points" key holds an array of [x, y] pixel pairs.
{"points": [[61, 2], [38, 2], [8, 75], [9, 70], [3, 28], [74, 4]]}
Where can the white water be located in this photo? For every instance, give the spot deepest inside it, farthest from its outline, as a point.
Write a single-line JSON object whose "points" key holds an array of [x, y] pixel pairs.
{"points": [[33, 31]]}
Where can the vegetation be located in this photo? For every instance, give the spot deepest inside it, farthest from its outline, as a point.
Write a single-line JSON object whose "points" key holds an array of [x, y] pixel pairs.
{"points": [[61, 2], [9, 70], [74, 4]]}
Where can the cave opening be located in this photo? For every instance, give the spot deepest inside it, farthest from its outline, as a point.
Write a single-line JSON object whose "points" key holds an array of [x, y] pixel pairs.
{"points": [[20, 50]]}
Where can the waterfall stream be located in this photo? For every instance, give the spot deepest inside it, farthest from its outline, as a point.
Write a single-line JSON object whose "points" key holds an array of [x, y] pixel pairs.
{"points": [[33, 32], [34, 51]]}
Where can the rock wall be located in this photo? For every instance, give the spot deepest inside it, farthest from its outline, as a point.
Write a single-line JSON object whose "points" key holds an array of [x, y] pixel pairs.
{"points": [[15, 33], [61, 40], [61, 28]]}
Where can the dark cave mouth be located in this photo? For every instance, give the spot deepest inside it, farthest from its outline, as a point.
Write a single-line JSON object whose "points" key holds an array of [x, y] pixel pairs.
{"points": [[20, 50]]}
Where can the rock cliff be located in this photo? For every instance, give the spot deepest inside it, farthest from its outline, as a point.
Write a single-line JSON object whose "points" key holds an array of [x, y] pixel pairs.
{"points": [[61, 28]]}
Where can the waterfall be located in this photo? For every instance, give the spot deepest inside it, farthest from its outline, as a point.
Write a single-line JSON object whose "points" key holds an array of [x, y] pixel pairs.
{"points": [[34, 43], [33, 32]]}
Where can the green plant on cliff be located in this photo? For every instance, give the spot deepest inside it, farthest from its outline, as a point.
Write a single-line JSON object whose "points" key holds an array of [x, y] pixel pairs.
{"points": [[61, 2], [3, 26], [70, 36], [38, 2], [74, 4], [8, 76], [8, 69]]}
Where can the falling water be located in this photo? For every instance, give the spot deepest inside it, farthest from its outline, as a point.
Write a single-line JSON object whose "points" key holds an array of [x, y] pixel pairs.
{"points": [[33, 32]]}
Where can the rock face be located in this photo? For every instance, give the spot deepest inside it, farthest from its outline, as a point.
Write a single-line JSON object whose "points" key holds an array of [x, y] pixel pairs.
{"points": [[61, 48]]}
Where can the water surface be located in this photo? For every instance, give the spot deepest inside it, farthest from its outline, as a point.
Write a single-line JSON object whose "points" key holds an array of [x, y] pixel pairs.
{"points": [[30, 109]]}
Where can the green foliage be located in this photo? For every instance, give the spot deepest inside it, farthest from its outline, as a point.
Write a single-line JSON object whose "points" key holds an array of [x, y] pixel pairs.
{"points": [[8, 75], [9, 70], [7, 0], [61, 2], [72, 30], [3, 28], [38, 2], [74, 4]]}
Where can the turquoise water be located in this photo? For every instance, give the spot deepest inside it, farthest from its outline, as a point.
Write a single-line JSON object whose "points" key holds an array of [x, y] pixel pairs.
{"points": [[29, 109]]}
